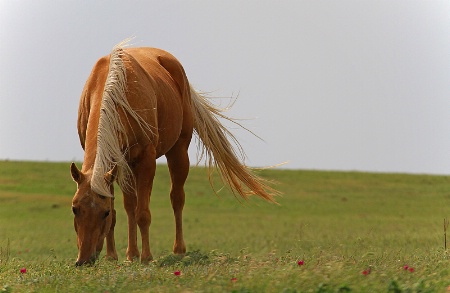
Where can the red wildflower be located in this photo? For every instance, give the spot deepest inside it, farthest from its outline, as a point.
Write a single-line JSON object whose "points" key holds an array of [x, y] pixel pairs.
{"points": [[408, 268], [23, 270], [177, 273], [301, 262], [366, 272], [234, 280]]}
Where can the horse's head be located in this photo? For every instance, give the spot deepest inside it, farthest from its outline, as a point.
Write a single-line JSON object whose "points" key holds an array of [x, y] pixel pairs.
{"points": [[92, 215]]}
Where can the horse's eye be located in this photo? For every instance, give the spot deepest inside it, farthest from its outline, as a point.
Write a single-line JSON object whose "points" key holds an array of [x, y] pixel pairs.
{"points": [[106, 214], [74, 210]]}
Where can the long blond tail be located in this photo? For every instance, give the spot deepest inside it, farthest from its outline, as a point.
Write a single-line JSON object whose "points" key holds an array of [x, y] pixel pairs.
{"points": [[220, 153]]}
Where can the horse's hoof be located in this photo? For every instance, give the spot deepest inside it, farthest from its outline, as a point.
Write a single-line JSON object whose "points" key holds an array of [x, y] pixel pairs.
{"points": [[146, 260], [111, 258]]}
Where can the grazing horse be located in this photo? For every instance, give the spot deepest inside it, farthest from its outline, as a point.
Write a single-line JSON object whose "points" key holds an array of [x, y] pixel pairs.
{"points": [[136, 106]]}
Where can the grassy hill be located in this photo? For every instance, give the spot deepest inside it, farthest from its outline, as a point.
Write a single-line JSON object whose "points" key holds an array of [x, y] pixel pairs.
{"points": [[351, 232]]}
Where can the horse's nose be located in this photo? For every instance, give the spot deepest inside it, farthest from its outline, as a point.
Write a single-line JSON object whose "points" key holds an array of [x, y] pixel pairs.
{"points": [[89, 261], [84, 262], [80, 263]]}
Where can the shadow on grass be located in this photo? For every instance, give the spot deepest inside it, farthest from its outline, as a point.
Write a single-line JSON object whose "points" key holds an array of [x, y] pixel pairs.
{"points": [[190, 258], [195, 257]]}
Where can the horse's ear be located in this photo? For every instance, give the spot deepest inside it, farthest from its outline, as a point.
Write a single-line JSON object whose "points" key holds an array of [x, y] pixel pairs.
{"points": [[111, 176], [77, 176]]}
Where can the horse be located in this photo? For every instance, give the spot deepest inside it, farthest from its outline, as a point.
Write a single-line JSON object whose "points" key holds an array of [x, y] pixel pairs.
{"points": [[136, 106]]}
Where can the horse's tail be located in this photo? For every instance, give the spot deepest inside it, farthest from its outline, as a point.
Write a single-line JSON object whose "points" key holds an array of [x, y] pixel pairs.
{"points": [[220, 153], [111, 135]]}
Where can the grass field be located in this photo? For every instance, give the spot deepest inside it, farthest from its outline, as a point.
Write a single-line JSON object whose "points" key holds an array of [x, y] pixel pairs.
{"points": [[332, 232]]}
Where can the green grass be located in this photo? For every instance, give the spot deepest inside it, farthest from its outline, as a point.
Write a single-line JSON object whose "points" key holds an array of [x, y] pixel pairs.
{"points": [[339, 223]]}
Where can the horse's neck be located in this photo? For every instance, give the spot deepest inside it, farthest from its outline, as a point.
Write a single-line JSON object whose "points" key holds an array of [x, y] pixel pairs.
{"points": [[89, 155], [90, 143]]}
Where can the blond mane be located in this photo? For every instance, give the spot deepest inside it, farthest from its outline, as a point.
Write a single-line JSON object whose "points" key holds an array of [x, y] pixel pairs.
{"points": [[111, 136]]}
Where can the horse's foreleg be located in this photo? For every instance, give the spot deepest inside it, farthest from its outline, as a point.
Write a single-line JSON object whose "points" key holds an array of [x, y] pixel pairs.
{"points": [[111, 252], [144, 174], [178, 162], [130, 202]]}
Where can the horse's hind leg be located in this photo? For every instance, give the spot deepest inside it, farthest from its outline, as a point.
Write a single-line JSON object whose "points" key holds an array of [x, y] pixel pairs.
{"points": [[178, 162]]}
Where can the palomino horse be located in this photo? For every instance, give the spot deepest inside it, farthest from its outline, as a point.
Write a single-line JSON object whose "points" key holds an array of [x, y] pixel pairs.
{"points": [[136, 106]]}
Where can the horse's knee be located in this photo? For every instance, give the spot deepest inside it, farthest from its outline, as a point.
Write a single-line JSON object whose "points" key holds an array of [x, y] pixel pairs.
{"points": [[143, 218], [129, 205], [177, 198]]}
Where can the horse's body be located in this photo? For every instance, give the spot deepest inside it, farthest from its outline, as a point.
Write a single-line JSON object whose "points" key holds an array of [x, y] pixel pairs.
{"points": [[136, 106]]}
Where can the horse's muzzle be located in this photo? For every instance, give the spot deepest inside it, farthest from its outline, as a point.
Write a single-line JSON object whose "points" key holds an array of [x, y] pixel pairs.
{"points": [[90, 261]]}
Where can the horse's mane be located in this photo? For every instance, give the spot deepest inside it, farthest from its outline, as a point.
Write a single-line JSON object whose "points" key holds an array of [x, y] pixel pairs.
{"points": [[111, 135]]}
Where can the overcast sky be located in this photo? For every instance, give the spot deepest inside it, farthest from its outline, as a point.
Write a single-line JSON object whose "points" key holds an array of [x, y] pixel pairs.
{"points": [[334, 85]]}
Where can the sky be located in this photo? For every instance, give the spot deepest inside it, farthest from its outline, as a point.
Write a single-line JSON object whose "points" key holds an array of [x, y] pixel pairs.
{"points": [[328, 85]]}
